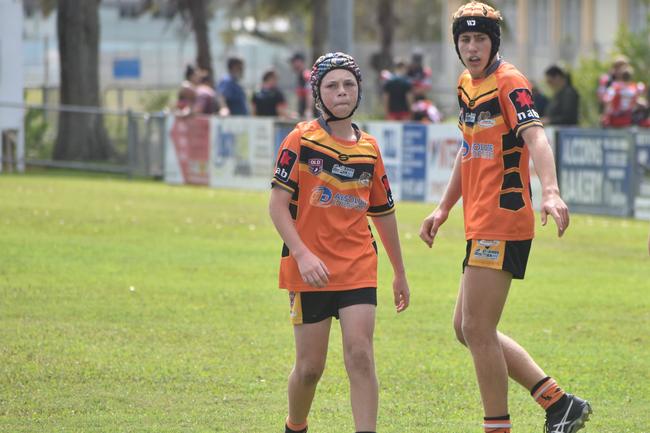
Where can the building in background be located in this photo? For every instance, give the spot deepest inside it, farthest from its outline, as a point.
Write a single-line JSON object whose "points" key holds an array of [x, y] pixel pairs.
{"points": [[11, 85]]}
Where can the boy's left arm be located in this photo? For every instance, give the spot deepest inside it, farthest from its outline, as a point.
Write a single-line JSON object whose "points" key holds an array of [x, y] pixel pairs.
{"points": [[540, 152], [386, 226]]}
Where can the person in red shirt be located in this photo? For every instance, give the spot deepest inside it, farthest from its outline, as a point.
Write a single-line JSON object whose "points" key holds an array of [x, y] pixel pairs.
{"points": [[623, 99], [329, 178], [501, 131]]}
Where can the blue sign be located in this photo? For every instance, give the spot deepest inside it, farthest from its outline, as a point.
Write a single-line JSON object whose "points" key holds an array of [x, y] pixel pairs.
{"points": [[414, 162], [126, 68], [596, 170]]}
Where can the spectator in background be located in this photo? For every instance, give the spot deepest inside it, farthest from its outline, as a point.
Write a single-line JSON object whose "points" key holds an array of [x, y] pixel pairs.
{"points": [[397, 94], [303, 89], [540, 100], [207, 99], [424, 111], [187, 93], [562, 109], [231, 90], [418, 74], [614, 74], [624, 100], [269, 100]]}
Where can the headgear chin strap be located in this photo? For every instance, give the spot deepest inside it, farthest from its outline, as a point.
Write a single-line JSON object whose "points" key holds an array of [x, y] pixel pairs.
{"points": [[327, 63]]}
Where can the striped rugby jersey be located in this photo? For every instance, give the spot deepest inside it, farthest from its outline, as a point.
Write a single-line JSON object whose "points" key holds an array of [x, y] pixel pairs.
{"points": [[334, 184], [496, 191]]}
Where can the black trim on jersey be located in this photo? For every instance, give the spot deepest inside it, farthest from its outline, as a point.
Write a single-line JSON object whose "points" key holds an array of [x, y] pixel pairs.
{"points": [[380, 209], [511, 160], [307, 153], [510, 141], [511, 201], [512, 180], [336, 151], [293, 210], [472, 101], [289, 183], [492, 106], [526, 123], [285, 250]]}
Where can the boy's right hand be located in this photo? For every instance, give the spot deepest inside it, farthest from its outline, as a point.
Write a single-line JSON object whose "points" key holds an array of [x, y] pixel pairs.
{"points": [[431, 224], [312, 269]]}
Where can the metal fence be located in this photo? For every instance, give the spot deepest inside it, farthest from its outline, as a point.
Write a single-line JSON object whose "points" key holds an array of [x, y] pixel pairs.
{"points": [[134, 142]]}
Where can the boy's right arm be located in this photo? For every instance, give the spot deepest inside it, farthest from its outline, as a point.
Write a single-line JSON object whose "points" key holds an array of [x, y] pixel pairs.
{"points": [[312, 269], [452, 193]]}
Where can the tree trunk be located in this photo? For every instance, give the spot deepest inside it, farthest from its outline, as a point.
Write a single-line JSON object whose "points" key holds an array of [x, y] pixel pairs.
{"points": [[80, 136], [319, 10], [198, 14], [386, 22]]}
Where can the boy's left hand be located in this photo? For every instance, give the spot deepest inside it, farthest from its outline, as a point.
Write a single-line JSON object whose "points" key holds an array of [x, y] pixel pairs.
{"points": [[401, 293]]}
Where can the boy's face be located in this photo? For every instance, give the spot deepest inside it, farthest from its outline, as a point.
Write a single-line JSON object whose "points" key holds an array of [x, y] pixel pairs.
{"points": [[339, 92], [475, 50]]}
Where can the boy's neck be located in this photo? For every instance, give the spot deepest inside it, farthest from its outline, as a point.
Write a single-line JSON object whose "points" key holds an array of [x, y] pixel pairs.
{"points": [[342, 129]]}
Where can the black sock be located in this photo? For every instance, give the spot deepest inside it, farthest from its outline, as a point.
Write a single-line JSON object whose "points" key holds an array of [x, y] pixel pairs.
{"points": [[288, 430], [366, 432], [538, 385]]}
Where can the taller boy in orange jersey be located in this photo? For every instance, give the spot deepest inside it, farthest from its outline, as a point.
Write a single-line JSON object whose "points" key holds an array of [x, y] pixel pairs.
{"points": [[501, 131], [329, 177]]}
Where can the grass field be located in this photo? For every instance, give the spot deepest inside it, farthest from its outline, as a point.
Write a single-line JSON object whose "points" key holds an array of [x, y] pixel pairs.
{"points": [[130, 306]]}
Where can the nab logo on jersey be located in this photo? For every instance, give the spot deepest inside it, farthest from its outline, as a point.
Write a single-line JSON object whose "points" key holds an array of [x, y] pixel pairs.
{"points": [[522, 100], [285, 164]]}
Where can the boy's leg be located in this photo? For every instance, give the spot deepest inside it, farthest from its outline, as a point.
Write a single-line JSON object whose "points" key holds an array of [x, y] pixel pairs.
{"points": [[521, 366], [311, 353], [484, 295], [357, 326]]}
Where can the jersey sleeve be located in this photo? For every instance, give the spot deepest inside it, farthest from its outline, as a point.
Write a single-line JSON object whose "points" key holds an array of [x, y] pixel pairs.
{"points": [[381, 197], [517, 102], [286, 166]]}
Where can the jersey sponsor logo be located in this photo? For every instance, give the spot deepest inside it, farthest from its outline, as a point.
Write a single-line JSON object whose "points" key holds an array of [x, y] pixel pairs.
{"points": [[343, 171], [482, 151], [485, 120], [522, 100], [486, 243], [285, 164], [315, 166], [470, 117], [486, 252], [350, 202], [364, 179], [465, 146], [389, 194], [321, 196]]}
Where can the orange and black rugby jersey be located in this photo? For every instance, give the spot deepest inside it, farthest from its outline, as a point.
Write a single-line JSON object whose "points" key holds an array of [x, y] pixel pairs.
{"points": [[496, 190], [334, 185]]}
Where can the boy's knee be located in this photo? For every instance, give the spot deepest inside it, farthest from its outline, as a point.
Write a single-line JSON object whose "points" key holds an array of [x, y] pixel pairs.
{"points": [[359, 360], [308, 374]]}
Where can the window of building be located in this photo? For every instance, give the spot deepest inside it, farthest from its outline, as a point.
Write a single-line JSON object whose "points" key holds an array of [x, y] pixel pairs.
{"points": [[538, 21], [638, 15]]}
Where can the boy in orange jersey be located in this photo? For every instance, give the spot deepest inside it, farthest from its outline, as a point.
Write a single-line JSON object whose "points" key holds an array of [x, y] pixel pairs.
{"points": [[501, 130], [329, 176]]}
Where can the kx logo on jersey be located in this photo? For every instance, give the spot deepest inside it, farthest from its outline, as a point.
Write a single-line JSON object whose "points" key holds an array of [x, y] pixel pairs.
{"points": [[522, 100], [285, 164]]}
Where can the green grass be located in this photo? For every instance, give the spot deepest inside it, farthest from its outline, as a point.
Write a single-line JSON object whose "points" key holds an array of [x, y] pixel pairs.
{"points": [[130, 306]]}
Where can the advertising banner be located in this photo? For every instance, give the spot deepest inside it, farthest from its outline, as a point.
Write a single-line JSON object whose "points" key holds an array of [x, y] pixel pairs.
{"points": [[187, 155], [414, 162], [242, 153], [389, 139], [596, 170]]}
